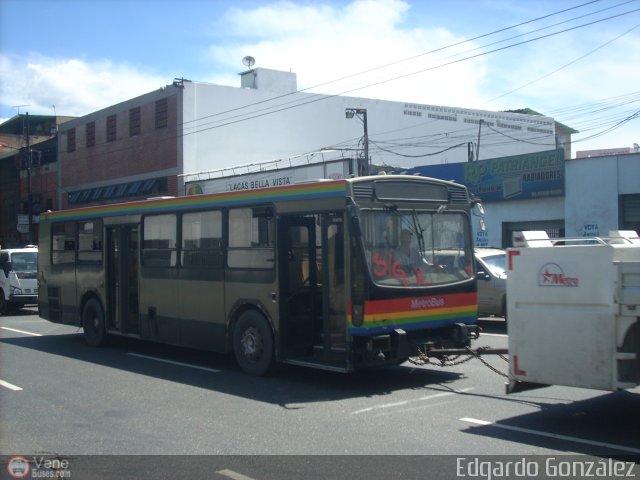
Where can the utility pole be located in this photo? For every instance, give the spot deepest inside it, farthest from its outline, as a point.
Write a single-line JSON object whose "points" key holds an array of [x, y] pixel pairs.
{"points": [[364, 167], [478, 146], [28, 165]]}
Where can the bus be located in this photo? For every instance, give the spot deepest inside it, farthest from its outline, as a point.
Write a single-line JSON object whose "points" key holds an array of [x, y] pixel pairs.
{"points": [[307, 274]]}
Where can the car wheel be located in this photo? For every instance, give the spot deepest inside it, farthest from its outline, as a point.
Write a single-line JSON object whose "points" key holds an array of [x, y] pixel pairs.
{"points": [[93, 323], [253, 343]]}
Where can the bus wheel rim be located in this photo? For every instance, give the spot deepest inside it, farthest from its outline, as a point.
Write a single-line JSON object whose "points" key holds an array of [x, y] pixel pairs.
{"points": [[251, 342]]}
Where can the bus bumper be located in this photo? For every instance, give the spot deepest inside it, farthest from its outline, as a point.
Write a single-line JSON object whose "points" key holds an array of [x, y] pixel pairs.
{"points": [[399, 345]]}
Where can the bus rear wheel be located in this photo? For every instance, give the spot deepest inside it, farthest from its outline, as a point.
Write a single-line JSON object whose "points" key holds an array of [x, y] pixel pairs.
{"points": [[253, 343], [93, 323]]}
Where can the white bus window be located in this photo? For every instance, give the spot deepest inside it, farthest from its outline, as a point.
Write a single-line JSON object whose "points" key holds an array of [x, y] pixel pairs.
{"points": [[160, 243], [90, 241], [63, 247], [202, 240], [251, 238]]}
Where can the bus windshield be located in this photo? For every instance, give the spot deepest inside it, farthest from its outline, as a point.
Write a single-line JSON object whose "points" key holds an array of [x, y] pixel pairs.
{"points": [[417, 248]]}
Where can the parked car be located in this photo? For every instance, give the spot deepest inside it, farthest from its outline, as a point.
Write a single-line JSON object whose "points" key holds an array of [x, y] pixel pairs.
{"points": [[492, 281]]}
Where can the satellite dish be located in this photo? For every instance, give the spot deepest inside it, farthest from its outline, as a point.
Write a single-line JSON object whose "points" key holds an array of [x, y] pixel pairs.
{"points": [[248, 61]]}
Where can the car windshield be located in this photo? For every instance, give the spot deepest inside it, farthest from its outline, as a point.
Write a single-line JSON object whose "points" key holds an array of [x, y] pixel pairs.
{"points": [[497, 264], [416, 249], [24, 261]]}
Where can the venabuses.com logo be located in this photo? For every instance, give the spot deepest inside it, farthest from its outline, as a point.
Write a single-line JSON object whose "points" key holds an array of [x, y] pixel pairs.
{"points": [[552, 275], [18, 467], [38, 467]]}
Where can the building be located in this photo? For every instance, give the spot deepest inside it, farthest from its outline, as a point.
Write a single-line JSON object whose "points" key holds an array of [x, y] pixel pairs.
{"points": [[585, 197], [170, 139], [28, 175], [153, 144]]}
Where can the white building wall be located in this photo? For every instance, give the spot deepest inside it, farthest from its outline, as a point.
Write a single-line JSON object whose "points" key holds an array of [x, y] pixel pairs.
{"points": [[497, 213], [229, 126], [593, 186]]}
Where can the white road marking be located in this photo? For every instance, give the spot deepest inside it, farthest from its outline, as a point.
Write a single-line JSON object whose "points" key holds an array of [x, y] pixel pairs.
{"points": [[552, 435], [164, 360], [406, 402], [412, 409], [21, 331], [234, 475], [10, 386]]}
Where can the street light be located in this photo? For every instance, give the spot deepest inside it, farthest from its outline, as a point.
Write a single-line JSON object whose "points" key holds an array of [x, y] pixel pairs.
{"points": [[361, 113]]}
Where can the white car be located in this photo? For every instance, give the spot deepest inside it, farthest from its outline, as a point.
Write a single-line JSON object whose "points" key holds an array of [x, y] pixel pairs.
{"points": [[492, 281]]}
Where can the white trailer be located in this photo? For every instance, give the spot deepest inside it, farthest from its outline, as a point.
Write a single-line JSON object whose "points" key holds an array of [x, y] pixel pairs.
{"points": [[574, 312]]}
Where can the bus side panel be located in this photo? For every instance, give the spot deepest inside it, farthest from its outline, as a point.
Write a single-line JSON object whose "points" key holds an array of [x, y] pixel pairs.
{"points": [[160, 309], [44, 270], [201, 293], [253, 289], [61, 295]]}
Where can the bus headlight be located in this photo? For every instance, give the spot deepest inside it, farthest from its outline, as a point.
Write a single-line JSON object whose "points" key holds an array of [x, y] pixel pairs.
{"points": [[357, 315], [15, 290]]}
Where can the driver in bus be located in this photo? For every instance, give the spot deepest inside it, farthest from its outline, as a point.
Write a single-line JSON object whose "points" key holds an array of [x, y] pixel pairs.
{"points": [[405, 253]]}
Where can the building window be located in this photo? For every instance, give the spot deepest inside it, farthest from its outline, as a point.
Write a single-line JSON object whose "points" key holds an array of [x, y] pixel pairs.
{"points": [[162, 113], [90, 134], [111, 128], [71, 140], [134, 121]]}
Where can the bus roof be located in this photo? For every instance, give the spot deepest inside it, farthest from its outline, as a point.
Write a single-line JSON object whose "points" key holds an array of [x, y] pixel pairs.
{"points": [[309, 190], [295, 192]]}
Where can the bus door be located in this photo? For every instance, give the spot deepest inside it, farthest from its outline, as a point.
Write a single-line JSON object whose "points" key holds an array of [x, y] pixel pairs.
{"points": [[312, 296], [122, 278], [334, 289], [300, 302]]}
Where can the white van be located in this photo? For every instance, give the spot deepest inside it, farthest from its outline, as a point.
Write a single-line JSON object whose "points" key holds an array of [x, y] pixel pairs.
{"points": [[18, 278]]}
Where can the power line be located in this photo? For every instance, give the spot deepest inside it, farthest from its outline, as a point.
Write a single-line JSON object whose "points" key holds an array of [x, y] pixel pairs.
{"points": [[287, 106], [318, 97], [565, 65], [413, 57]]}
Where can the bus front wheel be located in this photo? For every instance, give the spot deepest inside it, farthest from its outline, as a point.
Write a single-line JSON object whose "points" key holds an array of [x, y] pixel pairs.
{"points": [[93, 323], [253, 343]]}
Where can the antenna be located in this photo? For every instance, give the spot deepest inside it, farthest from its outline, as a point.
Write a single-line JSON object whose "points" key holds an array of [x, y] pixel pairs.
{"points": [[18, 107], [249, 61]]}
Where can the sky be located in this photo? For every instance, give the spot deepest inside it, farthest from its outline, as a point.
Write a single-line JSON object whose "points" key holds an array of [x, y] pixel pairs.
{"points": [[576, 61]]}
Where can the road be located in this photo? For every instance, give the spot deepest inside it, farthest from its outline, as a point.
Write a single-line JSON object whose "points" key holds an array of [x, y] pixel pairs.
{"points": [[60, 396]]}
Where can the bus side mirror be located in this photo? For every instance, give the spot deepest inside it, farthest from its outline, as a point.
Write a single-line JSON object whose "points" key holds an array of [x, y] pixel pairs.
{"points": [[6, 266]]}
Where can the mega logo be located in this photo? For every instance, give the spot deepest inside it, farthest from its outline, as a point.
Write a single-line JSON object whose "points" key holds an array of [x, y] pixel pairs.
{"points": [[552, 275]]}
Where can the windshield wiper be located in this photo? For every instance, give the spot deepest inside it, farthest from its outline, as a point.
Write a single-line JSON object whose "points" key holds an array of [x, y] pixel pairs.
{"points": [[419, 231]]}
